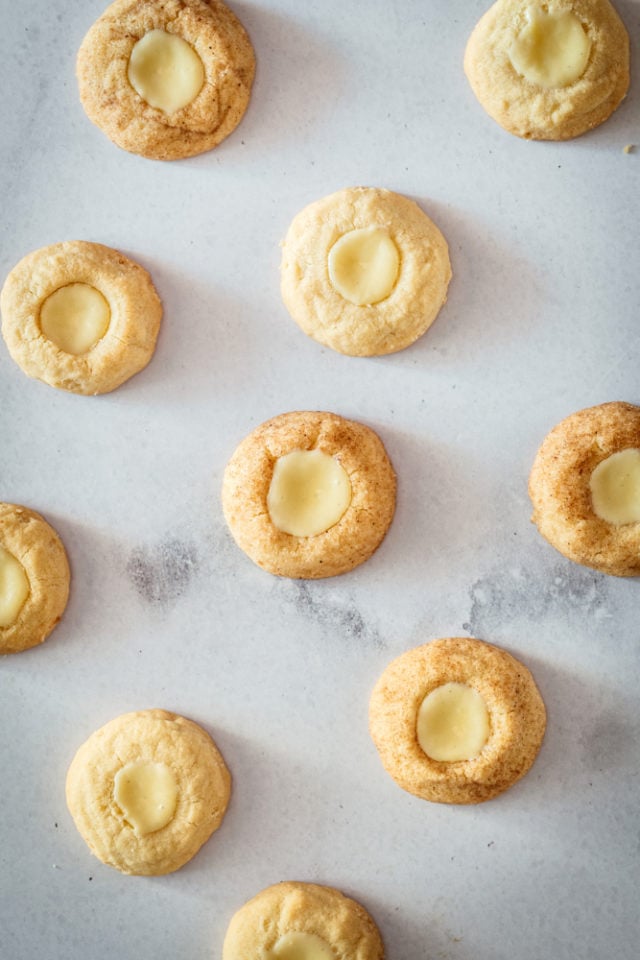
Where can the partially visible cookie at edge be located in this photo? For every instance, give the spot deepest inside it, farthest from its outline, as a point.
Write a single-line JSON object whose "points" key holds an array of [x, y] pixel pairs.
{"points": [[585, 488], [309, 494], [296, 919], [456, 720], [549, 71], [147, 790], [80, 316], [34, 578], [364, 271], [166, 79]]}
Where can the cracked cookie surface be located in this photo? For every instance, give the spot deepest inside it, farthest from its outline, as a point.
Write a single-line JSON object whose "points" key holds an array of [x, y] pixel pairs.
{"points": [[170, 748], [345, 544], [35, 557], [292, 915], [406, 306], [561, 493], [218, 40], [575, 103], [516, 720], [132, 315]]}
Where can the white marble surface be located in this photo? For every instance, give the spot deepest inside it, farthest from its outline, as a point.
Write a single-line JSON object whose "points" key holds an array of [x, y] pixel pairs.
{"points": [[542, 319]]}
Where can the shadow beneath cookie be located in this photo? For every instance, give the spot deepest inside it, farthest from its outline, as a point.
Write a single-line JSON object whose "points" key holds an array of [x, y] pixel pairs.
{"points": [[589, 740], [96, 559], [299, 76], [529, 585], [207, 337], [493, 299], [403, 934], [273, 793], [75, 538], [442, 518], [621, 128]]}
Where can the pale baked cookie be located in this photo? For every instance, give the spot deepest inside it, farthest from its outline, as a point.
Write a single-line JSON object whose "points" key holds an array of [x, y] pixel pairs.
{"points": [[34, 578], [166, 78], [147, 790], [80, 316], [549, 71], [302, 921], [585, 488], [309, 494], [456, 720], [364, 271]]}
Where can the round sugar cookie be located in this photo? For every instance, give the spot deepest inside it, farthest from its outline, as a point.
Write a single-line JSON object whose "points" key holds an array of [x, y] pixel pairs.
{"points": [[302, 921], [34, 578], [585, 488], [147, 790], [364, 271], [309, 494], [456, 720], [166, 78], [549, 71], [80, 316]]}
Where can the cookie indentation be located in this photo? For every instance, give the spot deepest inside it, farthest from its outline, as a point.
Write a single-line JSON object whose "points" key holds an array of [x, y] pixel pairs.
{"points": [[363, 265], [14, 588], [75, 317], [147, 794], [553, 48], [165, 71], [301, 946], [452, 723], [309, 492], [615, 487]]}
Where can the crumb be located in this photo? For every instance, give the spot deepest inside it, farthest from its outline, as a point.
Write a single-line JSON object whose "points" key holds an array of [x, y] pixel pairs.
{"points": [[630, 148]]}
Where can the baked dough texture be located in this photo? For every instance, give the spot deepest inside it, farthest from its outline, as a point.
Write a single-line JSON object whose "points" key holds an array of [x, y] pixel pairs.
{"points": [[36, 545], [110, 101], [343, 546], [129, 342], [530, 110], [148, 736], [561, 495], [417, 296], [295, 907], [517, 720]]}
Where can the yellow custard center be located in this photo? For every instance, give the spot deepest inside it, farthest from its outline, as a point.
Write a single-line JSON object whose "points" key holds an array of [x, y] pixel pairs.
{"points": [[452, 723], [147, 794], [75, 317], [165, 71], [364, 265], [14, 588], [301, 946], [309, 492], [615, 487], [552, 50]]}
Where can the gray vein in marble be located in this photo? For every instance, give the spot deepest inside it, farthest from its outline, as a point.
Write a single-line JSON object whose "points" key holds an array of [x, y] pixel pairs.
{"points": [[162, 573], [506, 595], [608, 741], [330, 613]]}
